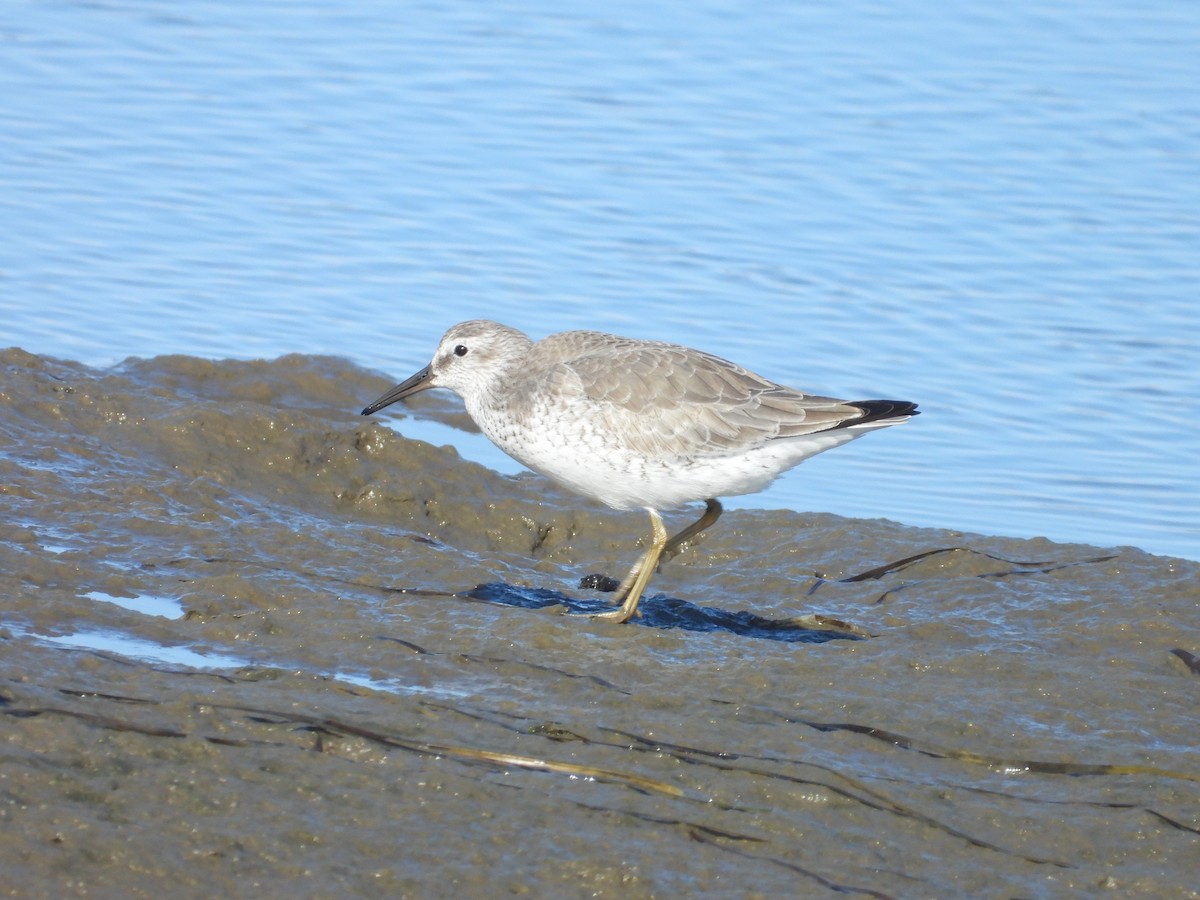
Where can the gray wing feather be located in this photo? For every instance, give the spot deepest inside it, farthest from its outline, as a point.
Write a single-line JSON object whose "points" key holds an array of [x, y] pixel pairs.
{"points": [[669, 400]]}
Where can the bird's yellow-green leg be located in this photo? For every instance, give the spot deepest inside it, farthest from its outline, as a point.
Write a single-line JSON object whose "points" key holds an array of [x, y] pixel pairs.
{"points": [[635, 582], [661, 549], [712, 512]]}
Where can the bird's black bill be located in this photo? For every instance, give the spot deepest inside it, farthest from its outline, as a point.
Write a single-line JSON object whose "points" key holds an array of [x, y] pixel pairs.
{"points": [[406, 388]]}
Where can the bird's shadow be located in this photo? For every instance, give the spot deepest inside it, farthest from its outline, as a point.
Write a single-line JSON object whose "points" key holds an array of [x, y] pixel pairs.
{"points": [[662, 611]]}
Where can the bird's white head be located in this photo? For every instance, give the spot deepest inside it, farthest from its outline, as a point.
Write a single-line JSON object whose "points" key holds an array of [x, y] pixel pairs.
{"points": [[474, 356], [472, 359]]}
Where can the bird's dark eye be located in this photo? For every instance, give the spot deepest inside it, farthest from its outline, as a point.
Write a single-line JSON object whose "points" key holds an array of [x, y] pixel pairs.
{"points": [[460, 350]]}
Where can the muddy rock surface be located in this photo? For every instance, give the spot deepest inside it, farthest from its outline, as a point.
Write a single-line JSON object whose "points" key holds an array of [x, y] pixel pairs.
{"points": [[253, 643]]}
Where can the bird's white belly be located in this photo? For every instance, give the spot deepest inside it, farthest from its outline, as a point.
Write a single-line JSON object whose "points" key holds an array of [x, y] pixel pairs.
{"points": [[584, 461]]}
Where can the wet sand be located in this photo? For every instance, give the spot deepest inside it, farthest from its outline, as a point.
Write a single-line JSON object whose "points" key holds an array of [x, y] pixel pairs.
{"points": [[252, 643]]}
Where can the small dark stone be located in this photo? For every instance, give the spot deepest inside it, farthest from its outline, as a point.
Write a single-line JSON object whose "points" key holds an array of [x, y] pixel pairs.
{"points": [[599, 582]]}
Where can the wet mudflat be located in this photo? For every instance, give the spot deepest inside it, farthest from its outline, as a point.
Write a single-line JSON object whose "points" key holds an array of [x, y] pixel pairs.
{"points": [[251, 642]]}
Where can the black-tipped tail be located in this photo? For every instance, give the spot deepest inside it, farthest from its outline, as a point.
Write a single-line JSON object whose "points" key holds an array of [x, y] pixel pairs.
{"points": [[877, 410]]}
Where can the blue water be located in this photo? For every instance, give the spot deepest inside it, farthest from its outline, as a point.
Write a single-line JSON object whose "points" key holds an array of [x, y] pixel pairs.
{"points": [[992, 209]]}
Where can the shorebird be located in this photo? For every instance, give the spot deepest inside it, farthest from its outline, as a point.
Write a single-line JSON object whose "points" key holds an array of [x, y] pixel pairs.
{"points": [[634, 423]]}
